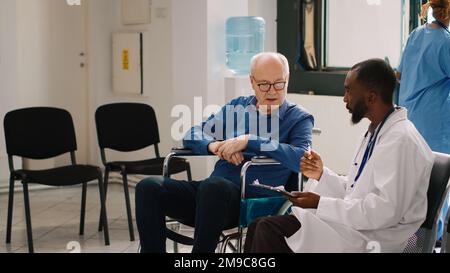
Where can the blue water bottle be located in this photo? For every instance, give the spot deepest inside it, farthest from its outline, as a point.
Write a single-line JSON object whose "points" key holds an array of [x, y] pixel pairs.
{"points": [[245, 38]]}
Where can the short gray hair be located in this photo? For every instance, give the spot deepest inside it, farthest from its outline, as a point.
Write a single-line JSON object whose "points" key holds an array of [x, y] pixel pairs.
{"points": [[282, 58]]}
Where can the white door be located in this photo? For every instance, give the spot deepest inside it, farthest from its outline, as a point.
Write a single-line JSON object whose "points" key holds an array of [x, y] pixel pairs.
{"points": [[68, 81], [42, 63]]}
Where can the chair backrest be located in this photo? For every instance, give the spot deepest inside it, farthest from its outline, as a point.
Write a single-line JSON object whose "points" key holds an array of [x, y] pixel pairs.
{"points": [[424, 239], [437, 188], [446, 238], [293, 182], [39, 132], [126, 127], [447, 221]]}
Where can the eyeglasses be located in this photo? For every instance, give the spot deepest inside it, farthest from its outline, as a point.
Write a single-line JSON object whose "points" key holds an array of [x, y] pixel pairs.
{"points": [[277, 86]]}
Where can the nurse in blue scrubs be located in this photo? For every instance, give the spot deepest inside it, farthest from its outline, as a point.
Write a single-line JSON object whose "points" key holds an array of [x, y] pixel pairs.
{"points": [[424, 75]]}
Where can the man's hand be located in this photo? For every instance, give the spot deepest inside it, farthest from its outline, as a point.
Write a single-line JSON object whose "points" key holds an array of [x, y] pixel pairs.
{"points": [[213, 147], [231, 149], [235, 158], [311, 165], [305, 200]]}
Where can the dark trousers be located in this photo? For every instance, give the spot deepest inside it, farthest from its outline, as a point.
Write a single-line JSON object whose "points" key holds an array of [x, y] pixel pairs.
{"points": [[267, 234], [211, 205]]}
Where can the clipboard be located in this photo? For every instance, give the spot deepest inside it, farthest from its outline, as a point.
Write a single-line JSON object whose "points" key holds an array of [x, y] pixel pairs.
{"points": [[279, 189]]}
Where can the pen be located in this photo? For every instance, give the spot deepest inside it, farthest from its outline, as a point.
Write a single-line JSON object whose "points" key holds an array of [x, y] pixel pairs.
{"points": [[308, 150]]}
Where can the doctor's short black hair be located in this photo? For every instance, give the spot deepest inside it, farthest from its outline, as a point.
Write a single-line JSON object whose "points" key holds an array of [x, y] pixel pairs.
{"points": [[377, 75]]}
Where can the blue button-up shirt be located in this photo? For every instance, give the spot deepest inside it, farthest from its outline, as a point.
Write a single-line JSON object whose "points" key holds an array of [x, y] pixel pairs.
{"points": [[286, 142]]}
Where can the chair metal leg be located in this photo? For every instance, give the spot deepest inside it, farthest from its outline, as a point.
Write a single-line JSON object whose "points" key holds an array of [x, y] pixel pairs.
{"points": [[83, 208], [10, 209], [175, 247], [127, 201], [26, 201], [232, 247], [239, 243], [302, 182], [225, 242], [106, 181], [188, 170], [104, 218], [105, 186], [175, 227]]}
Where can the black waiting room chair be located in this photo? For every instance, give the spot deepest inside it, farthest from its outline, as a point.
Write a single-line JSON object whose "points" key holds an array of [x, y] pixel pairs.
{"points": [[446, 237], [424, 240], [129, 127], [43, 133]]}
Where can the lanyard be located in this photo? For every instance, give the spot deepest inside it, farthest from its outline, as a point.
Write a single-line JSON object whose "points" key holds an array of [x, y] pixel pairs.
{"points": [[442, 25], [371, 146]]}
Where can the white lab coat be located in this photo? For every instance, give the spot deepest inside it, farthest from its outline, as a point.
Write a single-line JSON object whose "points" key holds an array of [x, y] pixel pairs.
{"points": [[387, 205]]}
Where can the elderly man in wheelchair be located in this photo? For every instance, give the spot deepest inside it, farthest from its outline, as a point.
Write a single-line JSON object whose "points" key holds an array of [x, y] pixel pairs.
{"points": [[264, 125]]}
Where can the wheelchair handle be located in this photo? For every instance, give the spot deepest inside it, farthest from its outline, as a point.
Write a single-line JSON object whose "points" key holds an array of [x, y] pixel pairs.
{"points": [[181, 151], [317, 131], [177, 152], [256, 161]]}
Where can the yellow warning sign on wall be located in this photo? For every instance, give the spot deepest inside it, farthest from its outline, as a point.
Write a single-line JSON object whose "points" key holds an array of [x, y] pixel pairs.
{"points": [[125, 59]]}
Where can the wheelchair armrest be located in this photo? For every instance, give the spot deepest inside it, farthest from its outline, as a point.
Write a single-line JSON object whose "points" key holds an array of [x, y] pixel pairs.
{"points": [[185, 152], [256, 161], [264, 160], [174, 153], [182, 152]]}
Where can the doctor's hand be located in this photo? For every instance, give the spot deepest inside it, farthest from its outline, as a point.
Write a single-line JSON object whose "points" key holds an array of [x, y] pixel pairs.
{"points": [[311, 165], [305, 200]]}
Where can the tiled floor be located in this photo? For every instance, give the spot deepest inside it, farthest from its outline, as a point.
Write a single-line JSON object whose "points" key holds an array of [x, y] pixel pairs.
{"points": [[55, 219]]}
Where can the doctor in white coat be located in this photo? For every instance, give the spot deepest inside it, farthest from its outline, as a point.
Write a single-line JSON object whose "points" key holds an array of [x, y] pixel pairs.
{"points": [[382, 201]]}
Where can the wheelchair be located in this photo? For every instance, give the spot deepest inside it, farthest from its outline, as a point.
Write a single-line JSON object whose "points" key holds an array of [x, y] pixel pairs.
{"points": [[250, 208]]}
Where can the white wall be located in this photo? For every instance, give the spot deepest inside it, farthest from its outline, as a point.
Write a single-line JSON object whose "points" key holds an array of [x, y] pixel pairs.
{"points": [[186, 53], [48, 72], [266, 9], [236, 86], [8, 71], [26, 36], [198, 48], [104, 20], [26, 64], [217, 14], [339, 138], [187, 60], [187, 57], [33, 36]]}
